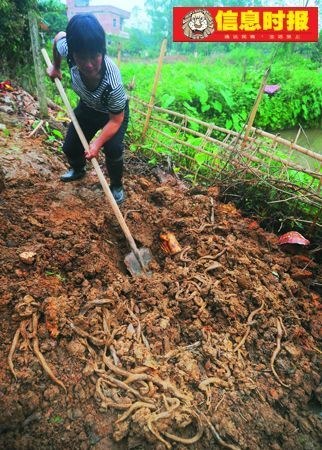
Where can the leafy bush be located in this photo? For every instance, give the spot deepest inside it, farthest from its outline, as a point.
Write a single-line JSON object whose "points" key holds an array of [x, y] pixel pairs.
{"points": [[53, 12], [14, 36], [224, 92]]}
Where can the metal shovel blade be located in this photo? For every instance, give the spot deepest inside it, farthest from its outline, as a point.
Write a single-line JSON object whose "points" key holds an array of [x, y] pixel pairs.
{"points": [[133, 264]]}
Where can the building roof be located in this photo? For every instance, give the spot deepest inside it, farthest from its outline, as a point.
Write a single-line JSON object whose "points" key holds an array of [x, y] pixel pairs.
{"points": [[102, 9], [118, 11]]}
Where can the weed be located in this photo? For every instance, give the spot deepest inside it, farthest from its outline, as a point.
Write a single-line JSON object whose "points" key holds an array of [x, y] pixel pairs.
{"points": [[58, 275]]}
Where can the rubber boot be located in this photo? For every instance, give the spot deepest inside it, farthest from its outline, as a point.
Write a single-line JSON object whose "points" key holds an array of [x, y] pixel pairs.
{"points": [[73, 174], [115, 172], [77, 169]]}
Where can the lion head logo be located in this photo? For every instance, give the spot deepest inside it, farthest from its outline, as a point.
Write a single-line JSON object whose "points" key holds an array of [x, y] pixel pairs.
{"points": [[198, 24]]}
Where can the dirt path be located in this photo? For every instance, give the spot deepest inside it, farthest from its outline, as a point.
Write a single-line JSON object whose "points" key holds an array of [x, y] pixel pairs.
{"points": [[188, 354]]}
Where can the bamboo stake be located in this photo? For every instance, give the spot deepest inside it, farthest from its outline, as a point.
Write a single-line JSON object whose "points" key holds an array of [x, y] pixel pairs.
{"points": [[185, 129], [154, 88], [200, 150], [297, 135], [183, 155], [39, 73], [271, 136], [186, 144], [198, 175], [289, 164], [226, 146], [240, 158], [185, 117], [287, 143], [304, 193], [212, 168], [255, 107], [319, 212], [273, 145], [118, 55]]}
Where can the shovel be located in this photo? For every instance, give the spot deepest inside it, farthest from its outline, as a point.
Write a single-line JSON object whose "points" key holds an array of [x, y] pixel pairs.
{"points": [[138, 260]]}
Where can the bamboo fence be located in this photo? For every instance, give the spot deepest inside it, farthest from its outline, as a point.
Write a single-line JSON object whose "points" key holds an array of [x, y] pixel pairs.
{"points": [[206, 153]]}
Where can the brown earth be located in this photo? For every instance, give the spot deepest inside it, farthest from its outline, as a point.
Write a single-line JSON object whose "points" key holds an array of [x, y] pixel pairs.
{"points": [[186, 358]]}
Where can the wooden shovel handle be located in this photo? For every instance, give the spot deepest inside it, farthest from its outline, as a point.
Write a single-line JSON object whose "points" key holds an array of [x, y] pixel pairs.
{"points": [[97, 168]]}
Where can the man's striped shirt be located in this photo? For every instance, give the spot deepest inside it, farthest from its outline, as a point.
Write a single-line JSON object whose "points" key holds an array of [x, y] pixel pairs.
{"points": [[110, 94]]}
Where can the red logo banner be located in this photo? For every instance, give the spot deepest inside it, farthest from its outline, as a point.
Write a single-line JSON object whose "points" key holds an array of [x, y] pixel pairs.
{"points": [[247, 24]]}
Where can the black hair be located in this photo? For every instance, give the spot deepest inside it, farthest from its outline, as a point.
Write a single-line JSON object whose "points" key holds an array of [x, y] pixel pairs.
{"points": [[85, 34]]}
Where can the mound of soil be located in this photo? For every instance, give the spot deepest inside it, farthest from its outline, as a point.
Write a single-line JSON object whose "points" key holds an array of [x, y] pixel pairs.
{"points": [[217, 347]]}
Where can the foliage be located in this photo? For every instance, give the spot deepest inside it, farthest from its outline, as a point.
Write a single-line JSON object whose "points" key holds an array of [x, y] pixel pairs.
{"points": [[56, 420], [223, 89], [14, 36], [312, 51], [140, 43], [298, 102], [53, 134], [134, 46], [15, 46], [53, 12]]}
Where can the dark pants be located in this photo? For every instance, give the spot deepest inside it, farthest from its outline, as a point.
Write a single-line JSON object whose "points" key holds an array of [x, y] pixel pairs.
{"points": [[90, 122]]}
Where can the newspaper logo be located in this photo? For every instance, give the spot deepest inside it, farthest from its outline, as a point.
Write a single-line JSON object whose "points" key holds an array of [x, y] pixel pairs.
{"points": [[198, 24], [245, 24]]}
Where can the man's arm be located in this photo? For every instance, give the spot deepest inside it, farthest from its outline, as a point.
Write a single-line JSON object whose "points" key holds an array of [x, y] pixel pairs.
{"points": [[54, 70], [110, 129]]}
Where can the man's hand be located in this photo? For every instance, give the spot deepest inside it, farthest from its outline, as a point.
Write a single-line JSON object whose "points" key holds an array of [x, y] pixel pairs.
{"points": [[106, 134], [53, 73], [93, 150]]}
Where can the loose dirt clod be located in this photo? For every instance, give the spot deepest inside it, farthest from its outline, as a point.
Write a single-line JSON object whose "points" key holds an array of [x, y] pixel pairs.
{"points": [[28, 257]]}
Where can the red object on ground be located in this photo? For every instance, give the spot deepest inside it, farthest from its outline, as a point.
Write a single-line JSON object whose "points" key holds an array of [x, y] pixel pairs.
{"points": [[6, 86], [293, 237]]}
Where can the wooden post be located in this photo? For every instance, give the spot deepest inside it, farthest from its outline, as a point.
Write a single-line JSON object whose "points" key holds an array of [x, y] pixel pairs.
{"points": [[319, 211], [255, 107], [119, 54], [297, 136], [154, 88], [39, 72]]}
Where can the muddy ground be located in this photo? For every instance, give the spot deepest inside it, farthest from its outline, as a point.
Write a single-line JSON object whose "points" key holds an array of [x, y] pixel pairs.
{"points": [[216, 348]]}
